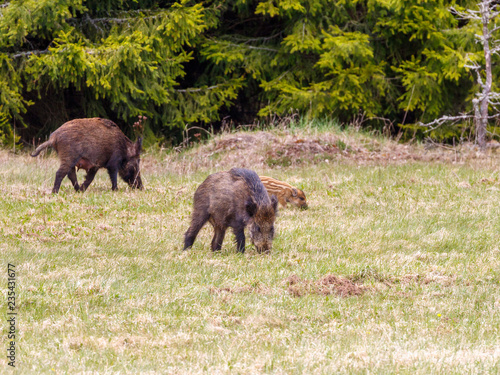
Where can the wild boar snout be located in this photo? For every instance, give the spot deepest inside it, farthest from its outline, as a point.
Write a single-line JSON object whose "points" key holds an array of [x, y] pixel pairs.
{"points": [[261, 236]]}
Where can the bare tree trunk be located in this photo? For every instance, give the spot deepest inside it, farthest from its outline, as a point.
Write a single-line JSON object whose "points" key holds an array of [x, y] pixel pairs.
{"points": [[486, 16], [482, 121]]}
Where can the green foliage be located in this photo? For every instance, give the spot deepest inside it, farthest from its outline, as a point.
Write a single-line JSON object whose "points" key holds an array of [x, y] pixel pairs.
{"points": [[7, 135], [192, 62], [12, 104], [133, 60], [341, 58]]}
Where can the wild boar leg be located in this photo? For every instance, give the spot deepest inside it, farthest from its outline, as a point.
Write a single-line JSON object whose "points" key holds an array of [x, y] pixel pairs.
{"points": [[197, 223], [60, 174], [239, 234], [218, 238], [73, 178], [88, 178], [113, 175]]}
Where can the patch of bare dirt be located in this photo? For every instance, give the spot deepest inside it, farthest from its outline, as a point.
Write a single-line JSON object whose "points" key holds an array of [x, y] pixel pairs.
{"points": [[329, 284], [281, 149], [241, 141], [348, 286]]}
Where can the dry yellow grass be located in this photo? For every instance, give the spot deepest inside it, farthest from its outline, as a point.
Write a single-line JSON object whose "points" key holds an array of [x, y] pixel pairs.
{"points": [[104, 287]]}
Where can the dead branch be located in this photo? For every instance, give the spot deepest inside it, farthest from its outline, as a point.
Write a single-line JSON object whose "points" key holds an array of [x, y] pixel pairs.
{"points": [[198, 90], [28, 53], [433, 125]]}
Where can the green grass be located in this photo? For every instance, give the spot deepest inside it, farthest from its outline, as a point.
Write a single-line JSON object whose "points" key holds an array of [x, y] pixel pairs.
{"points": [[104, 286]]}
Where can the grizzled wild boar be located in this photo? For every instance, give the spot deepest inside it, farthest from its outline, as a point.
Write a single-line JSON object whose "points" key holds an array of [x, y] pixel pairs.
{"points": [[286, 193], [234, 199], [91, 144]]}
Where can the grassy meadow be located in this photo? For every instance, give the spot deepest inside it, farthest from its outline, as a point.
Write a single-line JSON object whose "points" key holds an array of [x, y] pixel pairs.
{"points": [[394, 268]]}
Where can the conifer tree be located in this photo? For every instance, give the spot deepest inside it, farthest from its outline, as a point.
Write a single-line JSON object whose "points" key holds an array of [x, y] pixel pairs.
{"points": [[339, 58], [187, 62], [125, 58], [485, 19]]}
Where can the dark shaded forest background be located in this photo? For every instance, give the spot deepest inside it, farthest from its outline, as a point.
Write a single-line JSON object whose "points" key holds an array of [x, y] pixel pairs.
{"points": [[391, 63]]}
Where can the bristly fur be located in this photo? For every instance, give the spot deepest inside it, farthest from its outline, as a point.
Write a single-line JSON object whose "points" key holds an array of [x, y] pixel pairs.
{"points": [[234, 199], [254, 184], [42, 147], [285, 193], [91, 144]]}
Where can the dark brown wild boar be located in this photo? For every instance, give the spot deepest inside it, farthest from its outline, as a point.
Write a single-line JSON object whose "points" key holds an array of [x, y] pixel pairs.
{"points": [[91, 144], [234, 199]]}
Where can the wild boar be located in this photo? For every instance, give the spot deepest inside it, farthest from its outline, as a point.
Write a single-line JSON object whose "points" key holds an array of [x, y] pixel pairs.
{"points": [[286, 193], [91, 144], [234, 199]]}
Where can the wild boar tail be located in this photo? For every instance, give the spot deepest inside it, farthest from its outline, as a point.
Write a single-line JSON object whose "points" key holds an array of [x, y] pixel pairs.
{"points": [[42, 147]]}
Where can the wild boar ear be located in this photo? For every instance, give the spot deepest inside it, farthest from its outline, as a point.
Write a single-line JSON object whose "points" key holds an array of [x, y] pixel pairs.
{"points": [[138, 146], [274, 202], [251, 207], [294, 192]]}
